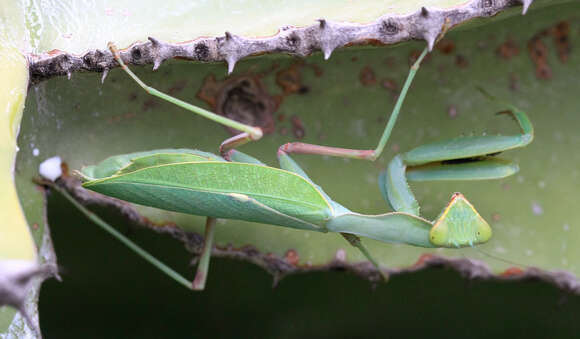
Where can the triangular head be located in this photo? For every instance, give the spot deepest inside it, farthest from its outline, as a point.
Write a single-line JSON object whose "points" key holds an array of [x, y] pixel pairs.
{"points": [[459, 225]]}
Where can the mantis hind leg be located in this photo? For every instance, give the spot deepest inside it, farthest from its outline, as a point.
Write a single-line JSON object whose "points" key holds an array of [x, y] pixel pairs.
{"points": [[203, 266], [205, 256], [119, 236], [249, 133], [356, 242]]}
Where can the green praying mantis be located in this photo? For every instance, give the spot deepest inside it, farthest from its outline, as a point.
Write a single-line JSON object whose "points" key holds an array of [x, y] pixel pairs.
{"points": [[234, 185]]}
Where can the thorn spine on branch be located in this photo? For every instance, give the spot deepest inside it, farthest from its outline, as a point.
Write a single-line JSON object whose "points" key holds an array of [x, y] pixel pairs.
{"points": [[323, 35]]}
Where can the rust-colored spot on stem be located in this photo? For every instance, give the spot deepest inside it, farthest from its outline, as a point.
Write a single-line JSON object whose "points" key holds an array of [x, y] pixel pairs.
{"points": [[423, 259], [539, 54], [512, 272], [508, 49], [446, 46], [461, 61], [367, 77], [560, 33], [290, 79]]}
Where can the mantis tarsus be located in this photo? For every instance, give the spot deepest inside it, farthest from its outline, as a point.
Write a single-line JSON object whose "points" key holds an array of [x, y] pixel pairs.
{"points": [[238, 186]]}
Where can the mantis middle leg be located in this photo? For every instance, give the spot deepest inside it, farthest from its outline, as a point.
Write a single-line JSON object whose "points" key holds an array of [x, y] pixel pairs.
{"points": [[249, 133]]}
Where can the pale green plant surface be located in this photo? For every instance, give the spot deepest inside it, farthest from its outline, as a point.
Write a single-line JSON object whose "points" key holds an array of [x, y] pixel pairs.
{"points": [[533, 213]]}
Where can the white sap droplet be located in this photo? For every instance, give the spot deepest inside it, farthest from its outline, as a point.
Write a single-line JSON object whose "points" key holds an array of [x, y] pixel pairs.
{"points": [[566, 227], [35, 152], [50, 168], [529, 252]]}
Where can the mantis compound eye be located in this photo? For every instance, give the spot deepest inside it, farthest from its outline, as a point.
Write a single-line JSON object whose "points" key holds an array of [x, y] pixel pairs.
{"points": [[459, 225]]}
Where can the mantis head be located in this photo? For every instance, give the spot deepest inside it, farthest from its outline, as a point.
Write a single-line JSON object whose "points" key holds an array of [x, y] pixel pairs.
{"points": [[459, 225]]}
